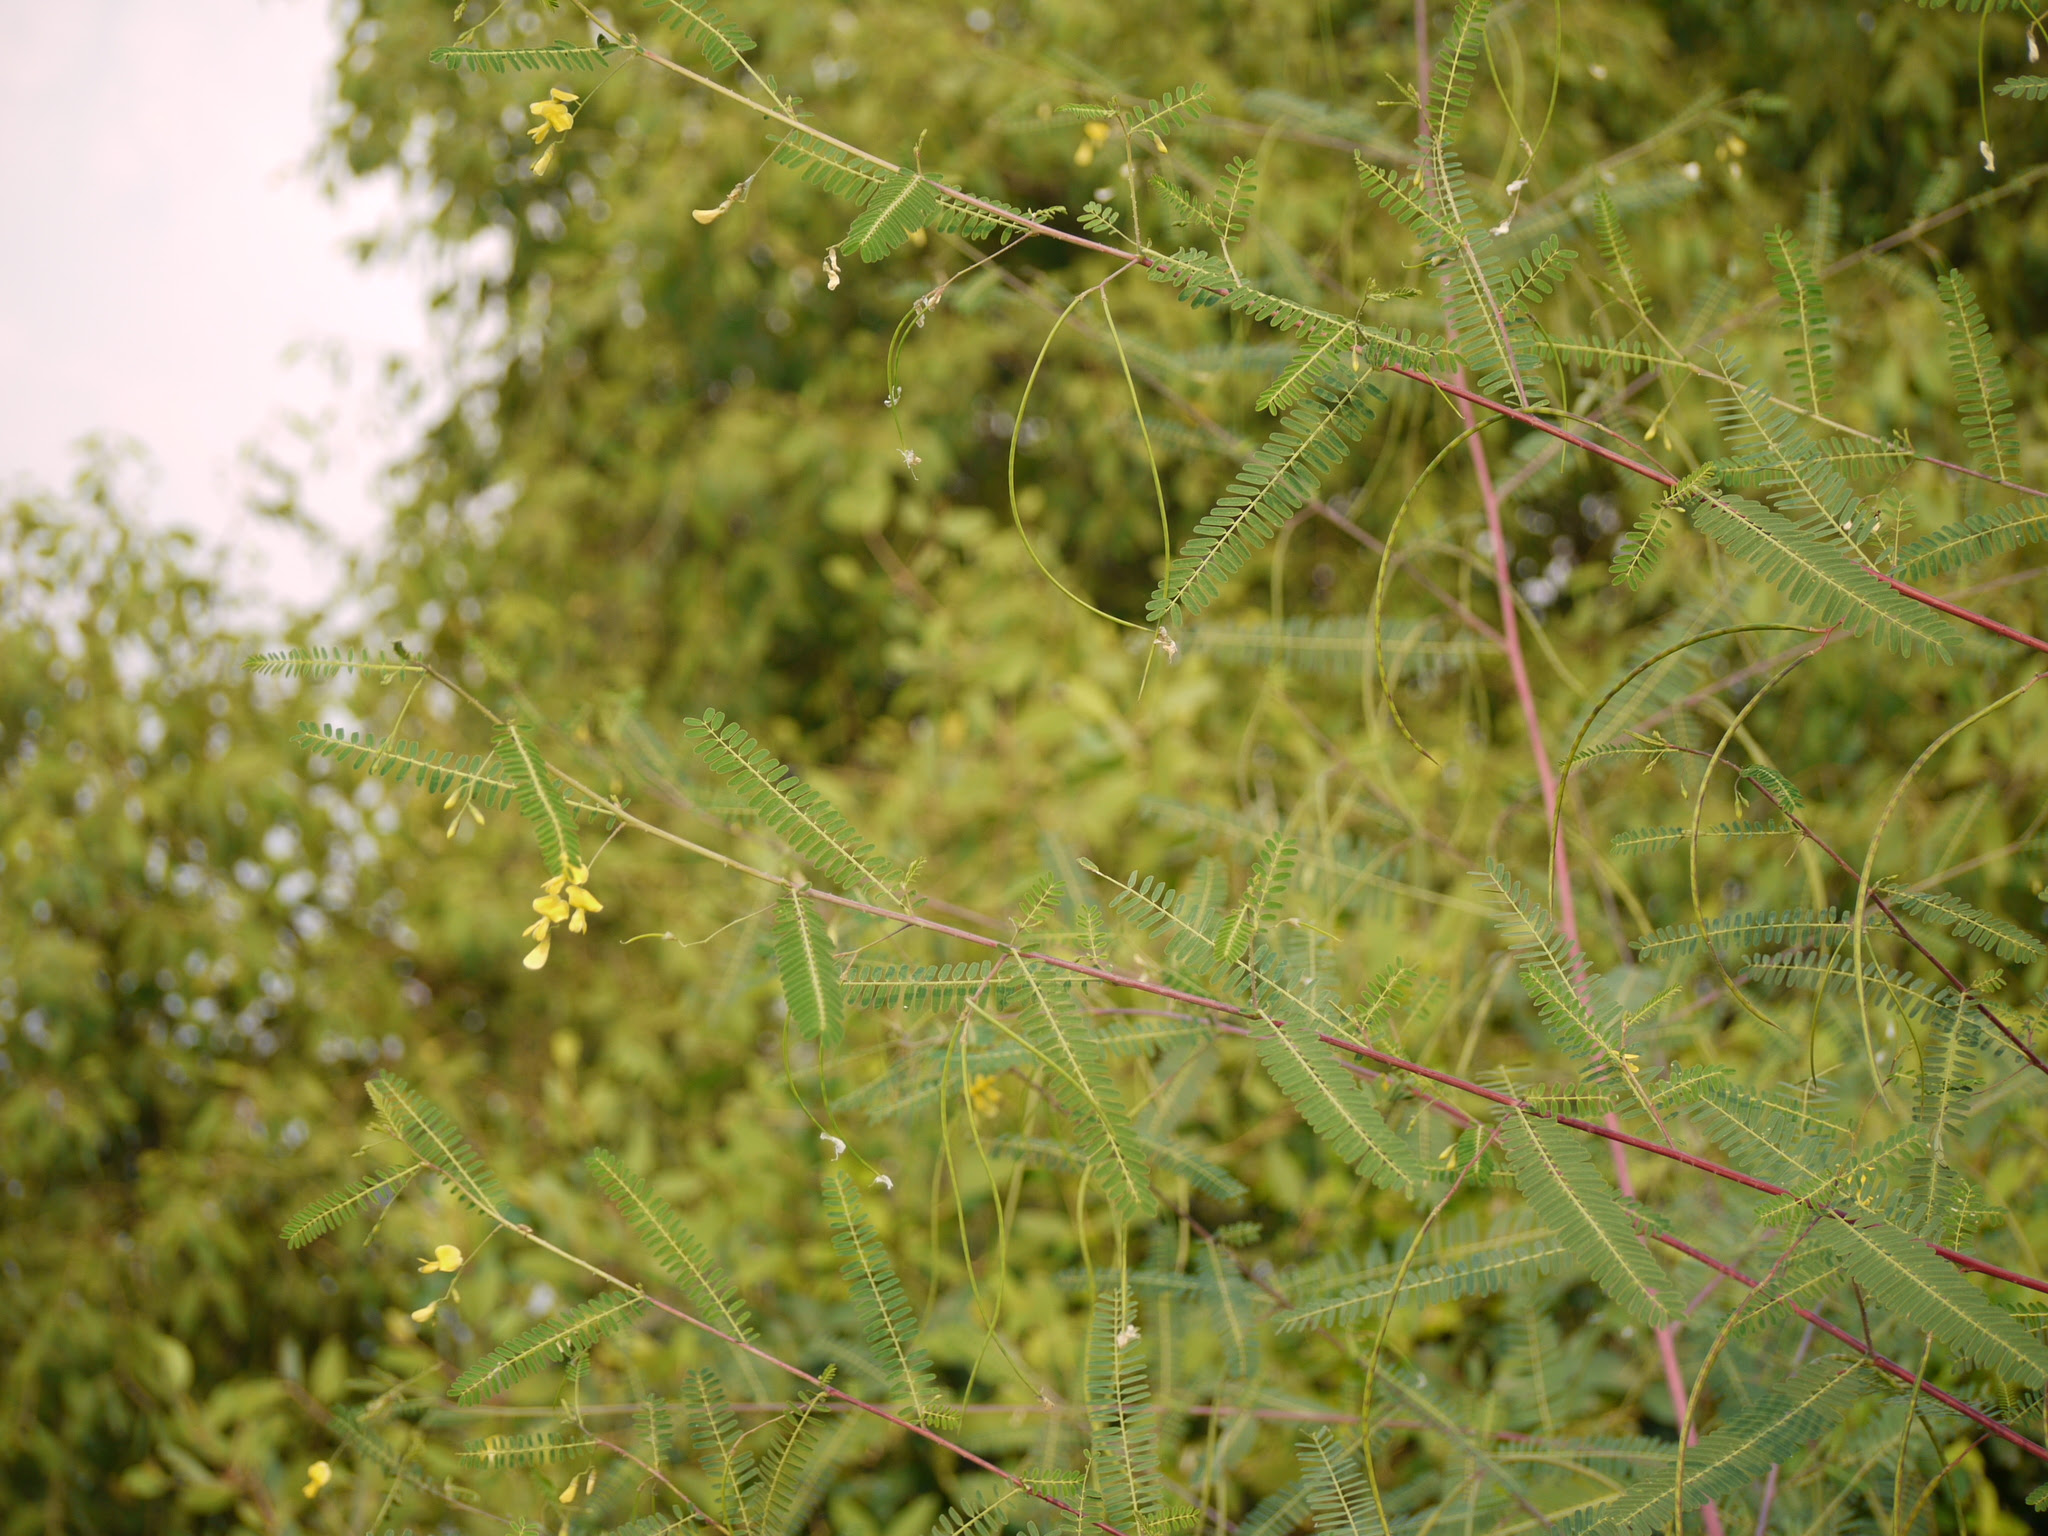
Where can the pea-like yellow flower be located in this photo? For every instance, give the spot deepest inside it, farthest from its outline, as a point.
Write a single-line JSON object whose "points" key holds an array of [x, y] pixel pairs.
{"points": [[555, 116], [318, 1476], [446, 1260], [426, 1314], [564, 899], [553, 113], [568, 1494], [585, 904]]}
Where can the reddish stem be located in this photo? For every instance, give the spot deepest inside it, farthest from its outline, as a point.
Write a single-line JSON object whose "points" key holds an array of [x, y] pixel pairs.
{"points": [[1968, 616], [1235, 1010], [1620, 1138], [1890, 1367], [1532, 721], [1518, 666], [1469, 398]]}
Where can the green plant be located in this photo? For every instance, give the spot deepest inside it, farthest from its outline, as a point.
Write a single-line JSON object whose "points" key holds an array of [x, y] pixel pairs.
{"points": [[1150, 1031]]}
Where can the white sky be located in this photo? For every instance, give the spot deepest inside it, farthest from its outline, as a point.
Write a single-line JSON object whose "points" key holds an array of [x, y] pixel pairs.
{"points": [[175, 275]]}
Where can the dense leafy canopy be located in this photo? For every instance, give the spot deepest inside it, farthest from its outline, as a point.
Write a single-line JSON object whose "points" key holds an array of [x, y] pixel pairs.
{"points": [[1123, 1196]]}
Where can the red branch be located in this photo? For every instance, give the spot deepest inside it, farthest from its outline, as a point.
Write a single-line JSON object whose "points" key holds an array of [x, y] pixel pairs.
{"points": [[1415, 1068], [1892, 1368], [1234, 1010], [1968, 616], [1655, 1148], [1470, 398]]}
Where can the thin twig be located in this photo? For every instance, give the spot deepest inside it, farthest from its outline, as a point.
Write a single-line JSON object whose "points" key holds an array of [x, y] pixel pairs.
{"points": [[661, 1477], [1898, 924]]}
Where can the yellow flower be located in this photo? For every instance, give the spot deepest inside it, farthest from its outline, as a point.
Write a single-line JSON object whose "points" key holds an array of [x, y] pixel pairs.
{"points": [[447, 1259], [318, 1476], [584, 903], [568, 1494], [565, 901], [985, 1096], [547, 158], [553, 113], [426, 1314]]}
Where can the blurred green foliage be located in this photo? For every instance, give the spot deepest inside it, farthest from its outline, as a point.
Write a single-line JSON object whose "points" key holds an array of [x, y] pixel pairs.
{"points": [[673, 482]]}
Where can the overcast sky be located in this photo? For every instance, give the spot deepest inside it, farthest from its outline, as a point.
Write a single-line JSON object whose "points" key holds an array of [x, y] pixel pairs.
{"points": [[176, 277]]}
